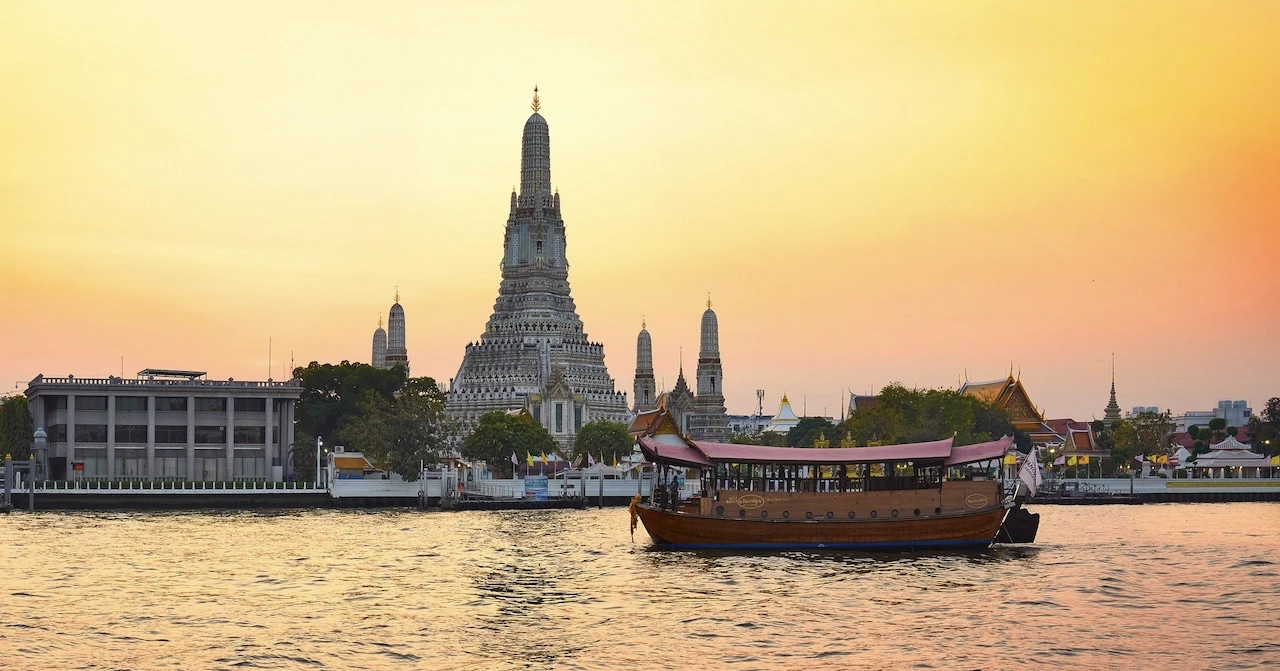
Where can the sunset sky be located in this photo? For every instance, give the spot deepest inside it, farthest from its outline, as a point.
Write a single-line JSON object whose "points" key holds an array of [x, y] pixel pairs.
{"points": [[870, 191]]}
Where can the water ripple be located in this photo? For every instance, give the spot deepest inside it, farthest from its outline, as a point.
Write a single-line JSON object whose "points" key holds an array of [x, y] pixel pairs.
{"points": [[570, 590]]}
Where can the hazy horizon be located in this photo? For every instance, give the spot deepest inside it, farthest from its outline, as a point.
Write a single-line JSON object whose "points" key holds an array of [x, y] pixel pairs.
{"points": [[869, 192]]}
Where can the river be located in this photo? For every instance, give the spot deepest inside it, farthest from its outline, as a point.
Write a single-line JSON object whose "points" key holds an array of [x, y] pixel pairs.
{"points": [[1167, 586]]}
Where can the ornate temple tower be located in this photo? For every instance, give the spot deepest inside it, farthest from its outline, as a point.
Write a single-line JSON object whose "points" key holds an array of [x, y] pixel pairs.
{"points": [[379, 346], [710, 420], [1111, 416], [644, 392], [534, 352], [396, 352]]}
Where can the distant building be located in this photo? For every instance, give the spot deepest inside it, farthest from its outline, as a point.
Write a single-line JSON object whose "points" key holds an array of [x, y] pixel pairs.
{"points": [[1111, 414], [164, 424], [1139, 409], [786, 418], [1237, 413], [1065, 437], [747, 424]]}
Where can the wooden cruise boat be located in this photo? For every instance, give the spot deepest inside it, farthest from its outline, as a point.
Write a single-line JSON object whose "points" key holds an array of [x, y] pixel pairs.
{"points": [[892, 497]]}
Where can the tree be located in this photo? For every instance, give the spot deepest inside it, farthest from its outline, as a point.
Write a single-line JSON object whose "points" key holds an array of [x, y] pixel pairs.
{"points": [[808, 429], [604, 440], [1264, 429], [1217, 424], [399, 436], [331, 397], [1194, 431], [16, 427], [1143, 433], [498, 435], [904, 415]]}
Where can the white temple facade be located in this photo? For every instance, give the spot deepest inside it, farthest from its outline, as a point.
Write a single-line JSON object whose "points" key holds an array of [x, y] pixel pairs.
{"points": [[786, 418], [534, 352]]}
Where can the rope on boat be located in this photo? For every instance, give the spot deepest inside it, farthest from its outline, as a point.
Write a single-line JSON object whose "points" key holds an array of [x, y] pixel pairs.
{"points": [[635, 517]]}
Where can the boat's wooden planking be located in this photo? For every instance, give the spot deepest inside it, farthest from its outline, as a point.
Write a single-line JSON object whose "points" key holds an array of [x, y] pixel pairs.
{"points": [[954, 497], [683, 529]]}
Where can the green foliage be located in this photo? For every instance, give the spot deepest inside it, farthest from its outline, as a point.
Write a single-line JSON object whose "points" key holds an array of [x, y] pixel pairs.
{"points": [[399, 435], [1143, 433], [913, 415], [1233, 431], [1194, 431], [497, 435], [1264, 429], [808, 429], [331, 397], [770, 438], [16, 428], [1217, 424], [603, 440]]}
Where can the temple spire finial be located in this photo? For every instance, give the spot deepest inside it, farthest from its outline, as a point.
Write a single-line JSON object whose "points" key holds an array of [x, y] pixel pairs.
{"points": [[397, 293], [379, 321], [643, 325], [537, 104], [708, 300]]}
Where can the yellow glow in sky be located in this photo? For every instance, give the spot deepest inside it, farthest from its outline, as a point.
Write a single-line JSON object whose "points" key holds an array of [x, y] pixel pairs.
{"points": [[870, 191]]}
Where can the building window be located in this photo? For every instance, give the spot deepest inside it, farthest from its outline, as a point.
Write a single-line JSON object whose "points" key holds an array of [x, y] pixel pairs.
{"points": [[211, 435], [91, 403], [171, 433], [250, 435], [559, 418], [171, 404], [91, 433], [713, 384], [251, 405], [131, 403], [537, 414], [131, 433], [58, 432], [210, 405], [577, 417], [56, 403]]}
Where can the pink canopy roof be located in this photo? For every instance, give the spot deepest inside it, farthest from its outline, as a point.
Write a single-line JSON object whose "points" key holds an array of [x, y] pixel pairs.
{"points": [[966, 454], [679, 454], [704, 453], [937, 449]]}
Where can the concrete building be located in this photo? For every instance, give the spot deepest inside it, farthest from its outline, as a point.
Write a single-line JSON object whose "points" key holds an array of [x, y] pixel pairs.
{"points": [[1237, 413], [1139, 409], [164, 425], [534, 352]]}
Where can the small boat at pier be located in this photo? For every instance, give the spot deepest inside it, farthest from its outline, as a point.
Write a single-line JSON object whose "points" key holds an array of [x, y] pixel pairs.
{"points": [[893, 497]]}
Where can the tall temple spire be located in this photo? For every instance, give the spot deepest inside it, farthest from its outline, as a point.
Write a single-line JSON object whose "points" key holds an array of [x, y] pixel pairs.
{"points": [[1111, 415], [535, 160], [710, 420], [396, 352], [534, 352], [643, 390], [379, 358]]}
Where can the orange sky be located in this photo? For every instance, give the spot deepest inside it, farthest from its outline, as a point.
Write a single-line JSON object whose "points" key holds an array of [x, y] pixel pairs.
{"points": [[870, 191]]}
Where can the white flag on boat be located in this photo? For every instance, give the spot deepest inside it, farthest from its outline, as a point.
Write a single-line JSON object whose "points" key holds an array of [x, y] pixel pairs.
{"points": [[1029, 474], [590, 460]]}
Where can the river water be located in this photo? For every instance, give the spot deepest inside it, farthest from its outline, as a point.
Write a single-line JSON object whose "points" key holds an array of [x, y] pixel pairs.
{"points": [[1158, 586]]}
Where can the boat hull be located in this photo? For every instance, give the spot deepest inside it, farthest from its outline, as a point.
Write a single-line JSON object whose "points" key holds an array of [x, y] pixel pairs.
{"points": [[692, 531]]}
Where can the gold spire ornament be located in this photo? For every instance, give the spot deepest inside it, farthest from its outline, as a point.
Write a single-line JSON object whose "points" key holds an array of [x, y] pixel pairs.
{"points": [[397, 294], [537, 104], [379, 321], [708, 300]]}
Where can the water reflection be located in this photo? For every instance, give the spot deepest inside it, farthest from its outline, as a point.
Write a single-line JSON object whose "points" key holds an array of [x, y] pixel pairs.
{"points": [[570, 589]]}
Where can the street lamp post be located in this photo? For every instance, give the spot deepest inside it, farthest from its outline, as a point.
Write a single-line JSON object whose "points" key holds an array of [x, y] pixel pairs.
{"points": [[319, 442]]}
